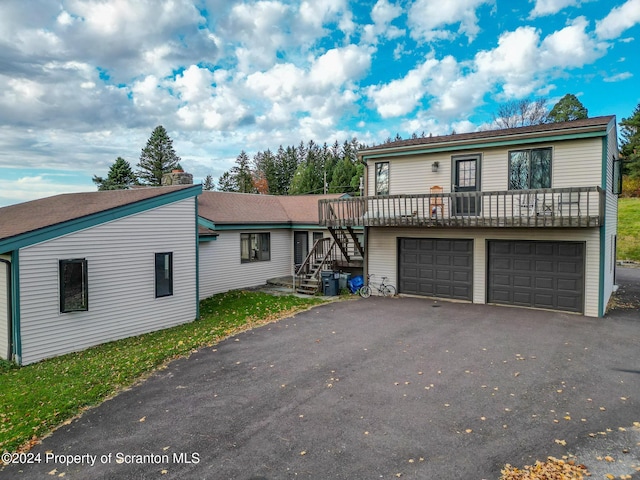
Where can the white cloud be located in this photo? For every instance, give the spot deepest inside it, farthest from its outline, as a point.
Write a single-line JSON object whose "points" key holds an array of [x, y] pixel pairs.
{"points": [[427, 18], [382, 14], [402, 96], [194, 84], [571, 46], [550, 7], [38, 186], [521, 64], [618, 20], [341, 65], [618, 78]]}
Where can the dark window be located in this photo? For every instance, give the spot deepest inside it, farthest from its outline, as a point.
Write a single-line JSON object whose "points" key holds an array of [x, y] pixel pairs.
{"points": [[530, 169], [74, 292], [616, 186], [255, 247], [382, 178], [164, 274]]}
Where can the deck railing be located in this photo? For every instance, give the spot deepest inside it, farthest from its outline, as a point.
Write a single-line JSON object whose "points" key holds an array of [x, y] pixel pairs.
{"points": [[545, 207]]}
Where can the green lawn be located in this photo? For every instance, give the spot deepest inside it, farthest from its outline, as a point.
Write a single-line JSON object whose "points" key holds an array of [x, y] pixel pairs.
{"points": [[629, 229], [36, 398]]}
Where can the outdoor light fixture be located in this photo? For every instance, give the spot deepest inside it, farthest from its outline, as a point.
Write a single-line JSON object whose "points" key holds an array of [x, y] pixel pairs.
{"points": [[434, 166]]}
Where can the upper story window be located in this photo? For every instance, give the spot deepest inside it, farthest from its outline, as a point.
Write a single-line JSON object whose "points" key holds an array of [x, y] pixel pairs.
{"points": [[382, 178], [255, 247], [530, 168], [74, 291], [164, 274]]}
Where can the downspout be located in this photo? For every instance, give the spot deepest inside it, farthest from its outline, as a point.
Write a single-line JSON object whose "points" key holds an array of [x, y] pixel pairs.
{"points": [[9, 303]]}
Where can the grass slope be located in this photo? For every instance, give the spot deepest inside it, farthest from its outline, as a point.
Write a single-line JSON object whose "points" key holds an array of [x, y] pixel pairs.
{"points": [[36, 398], [629, 229]]}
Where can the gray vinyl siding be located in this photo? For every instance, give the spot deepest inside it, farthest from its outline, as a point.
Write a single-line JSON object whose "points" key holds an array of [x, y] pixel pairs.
{"points": [[383, 260], [4, 309], [221, 269], [121, 282], [575, 163]]}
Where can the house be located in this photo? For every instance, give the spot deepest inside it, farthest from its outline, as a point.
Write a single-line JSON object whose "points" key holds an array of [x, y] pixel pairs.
{"points": [[77, 270], [523, 216], [247, 239]]}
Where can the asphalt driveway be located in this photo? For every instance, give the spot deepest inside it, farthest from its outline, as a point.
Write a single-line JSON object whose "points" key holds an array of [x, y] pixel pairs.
{"points": [[377, 388]]}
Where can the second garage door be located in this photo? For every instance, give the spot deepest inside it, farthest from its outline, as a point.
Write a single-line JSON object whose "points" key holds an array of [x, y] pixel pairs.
{"points": [[436, 267], [537, 274]]}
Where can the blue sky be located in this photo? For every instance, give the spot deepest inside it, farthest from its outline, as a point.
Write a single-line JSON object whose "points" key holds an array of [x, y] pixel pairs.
{"points": [[85, 81]]}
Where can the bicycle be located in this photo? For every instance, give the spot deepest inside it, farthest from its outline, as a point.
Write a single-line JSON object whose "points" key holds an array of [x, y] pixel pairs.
{"points": [[384, 289]]}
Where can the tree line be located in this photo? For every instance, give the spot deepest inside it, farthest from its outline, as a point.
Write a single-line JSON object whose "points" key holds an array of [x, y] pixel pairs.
{"points": [[297, 170], [311, 168]]}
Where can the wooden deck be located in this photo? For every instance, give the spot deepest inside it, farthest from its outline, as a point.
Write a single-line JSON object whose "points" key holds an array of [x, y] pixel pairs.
{"points": [[580, 207]]}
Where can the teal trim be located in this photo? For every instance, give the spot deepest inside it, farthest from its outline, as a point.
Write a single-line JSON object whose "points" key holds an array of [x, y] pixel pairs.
{"points": [[70, 226], [207, 238], [266, 226], [203, 222], [15, 307], [195, 199], [476, 146]]}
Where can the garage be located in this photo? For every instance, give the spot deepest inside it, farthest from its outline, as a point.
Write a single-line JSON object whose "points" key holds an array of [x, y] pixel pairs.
{"points": [[536, 274], [436, 267]]}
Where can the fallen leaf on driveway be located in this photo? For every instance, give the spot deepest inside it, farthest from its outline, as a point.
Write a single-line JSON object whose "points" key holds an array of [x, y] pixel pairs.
{"points": [[561, 442]]}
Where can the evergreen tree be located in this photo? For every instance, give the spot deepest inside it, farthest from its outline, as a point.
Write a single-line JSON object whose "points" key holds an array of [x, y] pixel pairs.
{"points": [[630, 143], [243, 174], [157, 158], [208, 183], [120, 176], [226, 183], [567, 109]]}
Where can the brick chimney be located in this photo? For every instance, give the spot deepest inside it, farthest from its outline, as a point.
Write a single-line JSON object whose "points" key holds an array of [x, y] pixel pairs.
{"points": [[177, 177]]}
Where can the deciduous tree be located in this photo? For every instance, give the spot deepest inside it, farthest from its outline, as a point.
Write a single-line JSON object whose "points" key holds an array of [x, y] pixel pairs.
{"points": [[521, 113]]}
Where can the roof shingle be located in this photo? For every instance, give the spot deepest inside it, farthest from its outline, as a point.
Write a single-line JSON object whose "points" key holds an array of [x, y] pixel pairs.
{"points": [[492, 134], [37, 214], [243, 208]]}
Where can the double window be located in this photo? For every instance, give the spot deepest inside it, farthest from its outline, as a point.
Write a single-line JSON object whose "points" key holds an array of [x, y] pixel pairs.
{"points": [[74, 291], [164, 274], [382, 178], [255, 247], [530, 169]]}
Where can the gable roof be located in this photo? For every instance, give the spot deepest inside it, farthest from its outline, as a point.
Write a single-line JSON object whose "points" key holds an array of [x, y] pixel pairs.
{"points": [[60, 211], [227, 208], [585, 126]]}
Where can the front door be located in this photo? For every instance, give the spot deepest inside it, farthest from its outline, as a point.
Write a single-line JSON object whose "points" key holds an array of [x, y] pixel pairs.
{"points": [[466, 180], [300, 247]]}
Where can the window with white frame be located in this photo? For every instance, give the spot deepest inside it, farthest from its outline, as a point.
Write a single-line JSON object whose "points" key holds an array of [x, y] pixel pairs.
{"points": [[382, 178]]}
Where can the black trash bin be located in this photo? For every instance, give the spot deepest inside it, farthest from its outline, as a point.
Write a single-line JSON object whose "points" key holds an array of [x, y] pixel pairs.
{"points": [[329, 284]]}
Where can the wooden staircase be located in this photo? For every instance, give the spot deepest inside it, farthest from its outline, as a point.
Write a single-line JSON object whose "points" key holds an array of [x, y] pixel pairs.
{"points": [[343, 249]]}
